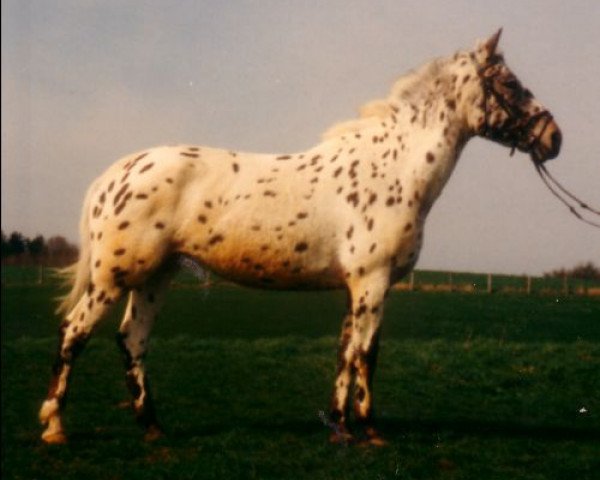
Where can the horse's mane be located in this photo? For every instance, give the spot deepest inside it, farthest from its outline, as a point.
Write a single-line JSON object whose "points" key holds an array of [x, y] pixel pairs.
{"points": [[372, 113]]}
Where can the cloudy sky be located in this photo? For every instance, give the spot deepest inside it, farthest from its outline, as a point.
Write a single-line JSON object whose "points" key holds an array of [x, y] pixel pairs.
{"points": [[85, 82]]}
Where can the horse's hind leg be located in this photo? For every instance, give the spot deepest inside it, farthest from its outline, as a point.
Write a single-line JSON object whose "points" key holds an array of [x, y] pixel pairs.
{"points": [[144, 303], [74, 332]]}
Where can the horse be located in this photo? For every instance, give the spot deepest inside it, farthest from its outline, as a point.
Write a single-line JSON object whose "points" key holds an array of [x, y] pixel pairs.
{"points": [[346, 214]]}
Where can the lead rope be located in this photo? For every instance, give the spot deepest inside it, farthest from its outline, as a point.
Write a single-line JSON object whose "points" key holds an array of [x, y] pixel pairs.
{"points": [[551, 183]]}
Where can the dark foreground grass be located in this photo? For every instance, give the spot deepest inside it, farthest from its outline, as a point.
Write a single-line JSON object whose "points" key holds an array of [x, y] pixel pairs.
{"points": [[473, 387]]}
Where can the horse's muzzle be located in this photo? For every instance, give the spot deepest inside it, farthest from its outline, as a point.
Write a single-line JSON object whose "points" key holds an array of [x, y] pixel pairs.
{"points": [[548, 143]]}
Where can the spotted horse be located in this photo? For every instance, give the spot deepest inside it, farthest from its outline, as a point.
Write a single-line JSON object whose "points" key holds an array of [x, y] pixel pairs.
{"points": [[345, 214]]}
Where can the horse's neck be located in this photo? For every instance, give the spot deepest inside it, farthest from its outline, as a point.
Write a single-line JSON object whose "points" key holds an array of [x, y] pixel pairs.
{"points": [[431, 136]]}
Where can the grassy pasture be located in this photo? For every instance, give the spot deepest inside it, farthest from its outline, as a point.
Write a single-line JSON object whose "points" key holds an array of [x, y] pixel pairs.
{"points": [[469, 386]]}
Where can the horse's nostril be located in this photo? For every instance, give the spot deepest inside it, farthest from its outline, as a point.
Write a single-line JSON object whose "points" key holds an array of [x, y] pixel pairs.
{"points": [[556, 139]]}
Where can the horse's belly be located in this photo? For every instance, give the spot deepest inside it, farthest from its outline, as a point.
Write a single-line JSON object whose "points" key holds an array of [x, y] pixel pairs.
{"points": [[264, 265]]}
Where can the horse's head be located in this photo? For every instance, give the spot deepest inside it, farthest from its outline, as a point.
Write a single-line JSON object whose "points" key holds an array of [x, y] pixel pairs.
{"points": [[511, 114]]}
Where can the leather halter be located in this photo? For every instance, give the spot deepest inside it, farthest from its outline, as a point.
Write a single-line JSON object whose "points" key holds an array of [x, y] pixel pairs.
{"points": [[517, 130]]}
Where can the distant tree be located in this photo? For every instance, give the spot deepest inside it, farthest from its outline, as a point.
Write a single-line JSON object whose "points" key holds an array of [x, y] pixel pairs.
{"points": [[60, 251], [17, 244], [584, 271], [36, 248]]}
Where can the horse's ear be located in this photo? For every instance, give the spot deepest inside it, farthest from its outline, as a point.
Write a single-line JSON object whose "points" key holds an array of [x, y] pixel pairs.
{"points": [[491, 44]]}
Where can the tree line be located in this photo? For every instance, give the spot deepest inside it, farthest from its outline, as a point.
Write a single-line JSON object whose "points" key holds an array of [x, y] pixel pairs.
{"points": [[583, 271], [56, 251]]}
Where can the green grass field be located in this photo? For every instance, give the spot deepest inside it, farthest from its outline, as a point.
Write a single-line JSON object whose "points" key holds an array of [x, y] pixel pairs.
{"points": [[469, 386]]}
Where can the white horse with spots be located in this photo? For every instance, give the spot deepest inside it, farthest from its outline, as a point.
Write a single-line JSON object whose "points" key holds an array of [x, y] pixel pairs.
{"points": [[348, 213]]}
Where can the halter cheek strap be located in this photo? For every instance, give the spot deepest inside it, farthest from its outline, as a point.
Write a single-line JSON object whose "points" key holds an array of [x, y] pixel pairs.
{"points": [[519, 131]]}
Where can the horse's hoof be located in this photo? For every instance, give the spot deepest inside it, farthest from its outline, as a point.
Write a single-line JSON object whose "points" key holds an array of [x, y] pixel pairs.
{"points": [[54, 438], [341, 438], [373, 439], [153, 433]]}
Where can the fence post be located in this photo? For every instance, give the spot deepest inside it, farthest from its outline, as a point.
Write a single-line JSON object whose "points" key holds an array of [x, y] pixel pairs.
{"points": [[40, 279], [411, 281], [565, 285], [528, 285], [489, 283], [450, 281]]}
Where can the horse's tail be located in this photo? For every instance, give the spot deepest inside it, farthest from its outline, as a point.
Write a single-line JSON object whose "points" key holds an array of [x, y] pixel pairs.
{"points": [[77, 276]]}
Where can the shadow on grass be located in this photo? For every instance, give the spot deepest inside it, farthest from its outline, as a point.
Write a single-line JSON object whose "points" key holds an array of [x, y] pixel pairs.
{"points": [[395, 429]]}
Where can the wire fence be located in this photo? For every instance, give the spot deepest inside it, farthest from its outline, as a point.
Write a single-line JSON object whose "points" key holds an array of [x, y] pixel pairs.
{"points": [[418, 280]]}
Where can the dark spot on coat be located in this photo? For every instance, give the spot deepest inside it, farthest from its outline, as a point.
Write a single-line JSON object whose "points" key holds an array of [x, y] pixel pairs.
{"points": [[218, 238], [187, 154], [159, 225], [236, 167], [284, 157], [301, 247], [118, 252], [123, 225], [430, 157], [122, 205], [145, 168], [202, 218], [120, 193], [360, 394], [353, 198]]}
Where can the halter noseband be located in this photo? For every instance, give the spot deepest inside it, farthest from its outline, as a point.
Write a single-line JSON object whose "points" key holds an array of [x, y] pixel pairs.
{"points": [[517, 131]]}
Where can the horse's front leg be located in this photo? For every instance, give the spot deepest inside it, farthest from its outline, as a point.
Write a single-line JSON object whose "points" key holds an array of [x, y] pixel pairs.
{"points": [[345, 370], [365, 362], [357, 357]]}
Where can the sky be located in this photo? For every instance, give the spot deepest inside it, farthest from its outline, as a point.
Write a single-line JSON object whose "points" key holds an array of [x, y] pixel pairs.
{"points": [[85, 82]]}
